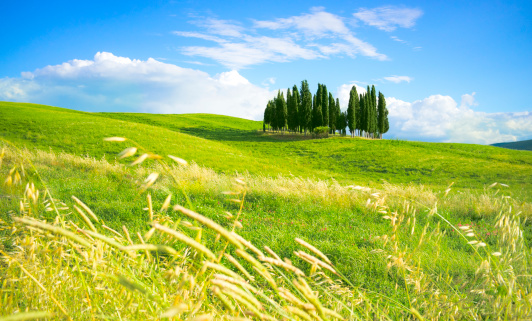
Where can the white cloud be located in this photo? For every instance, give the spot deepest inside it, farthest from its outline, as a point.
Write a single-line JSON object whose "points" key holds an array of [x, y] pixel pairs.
{"points": [[398, 79], [441, 118], [316, 24], [388, 18], [314, 35], [395, 38], [116, 83], [343, 91], [221, 27], [198, 35]]}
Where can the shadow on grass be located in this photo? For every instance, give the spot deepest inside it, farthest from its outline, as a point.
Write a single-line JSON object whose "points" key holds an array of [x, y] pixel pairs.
{"points": [[231, 134]]}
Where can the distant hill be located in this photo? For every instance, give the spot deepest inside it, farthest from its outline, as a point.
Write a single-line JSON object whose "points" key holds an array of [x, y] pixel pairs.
{"points": [[521, 145]]}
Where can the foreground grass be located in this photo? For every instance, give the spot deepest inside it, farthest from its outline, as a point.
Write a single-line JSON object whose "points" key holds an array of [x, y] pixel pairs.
{"points": [[398, 256], [228, 144]]}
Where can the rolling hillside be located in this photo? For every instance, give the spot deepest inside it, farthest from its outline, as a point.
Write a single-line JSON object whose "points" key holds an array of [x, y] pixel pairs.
{"points": [[295, 188], [229, 144]]}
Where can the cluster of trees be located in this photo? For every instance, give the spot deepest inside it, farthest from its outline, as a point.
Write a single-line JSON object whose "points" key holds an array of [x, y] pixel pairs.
{"points": [[302, 112]]}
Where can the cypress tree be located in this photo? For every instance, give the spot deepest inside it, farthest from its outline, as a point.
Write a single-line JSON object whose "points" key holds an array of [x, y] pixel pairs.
{"points": [[337, 113], [288, 108], [351, 109], [342, 123], [316, 109], [386, 122], [317, 117], [266, 118], [332, 114], [362, 114], [324, 106], [380, 111], [305, 116], [280, 111], [358, 115], [374, 114], [273, 114], [368, 116], [383, 123], [295, 109]]}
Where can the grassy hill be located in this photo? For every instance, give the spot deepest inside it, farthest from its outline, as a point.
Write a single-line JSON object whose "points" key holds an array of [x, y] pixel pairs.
{"points": [[229, 144], [521, 145], [294, 188]]}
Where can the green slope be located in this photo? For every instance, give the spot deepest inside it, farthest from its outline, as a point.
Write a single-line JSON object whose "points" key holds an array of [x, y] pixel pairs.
{"points": [[62, 130], [229, 144], [521, 145], [359, 160]]}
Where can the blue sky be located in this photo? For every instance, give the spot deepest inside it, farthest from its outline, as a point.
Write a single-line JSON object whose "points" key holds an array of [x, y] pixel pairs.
{"points": [[452, 71]]}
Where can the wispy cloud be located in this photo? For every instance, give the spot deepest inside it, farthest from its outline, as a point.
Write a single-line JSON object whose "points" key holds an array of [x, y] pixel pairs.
{"points": [[221, 27], [316, 24], [394, 38], [398, 79], [389, 18], [314, 35]]}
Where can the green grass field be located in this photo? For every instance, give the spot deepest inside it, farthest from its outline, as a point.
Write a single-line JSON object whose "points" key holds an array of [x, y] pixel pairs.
{"points": [[295, 188], [228, 144]]}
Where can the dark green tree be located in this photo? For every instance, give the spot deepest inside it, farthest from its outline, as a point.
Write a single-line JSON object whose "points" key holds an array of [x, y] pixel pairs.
{"points": [[324, 106], [316, 104], [273, 117], [288, 107], [293, 113], [358, 115], [374, 115], [351, 109], [280, 111], [383, 124], [337, 112], [342, 123], [332, 114], [362, 117], [317, 117], [266, 118], [305, 116]]}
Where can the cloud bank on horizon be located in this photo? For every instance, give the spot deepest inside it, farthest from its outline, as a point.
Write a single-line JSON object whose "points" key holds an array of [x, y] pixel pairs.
{"points": [[109, 82]]}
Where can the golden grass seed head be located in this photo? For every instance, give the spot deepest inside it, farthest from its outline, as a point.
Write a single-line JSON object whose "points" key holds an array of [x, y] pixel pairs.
{"points": [[175, 310], [239, 266], [185, 239], [115, 139], [140, 159], [128, 152], [150, 180], [178, 160], [222, 269], [86, 208], [211, 224], [166, 202], [272, 253], [313, 249]]}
